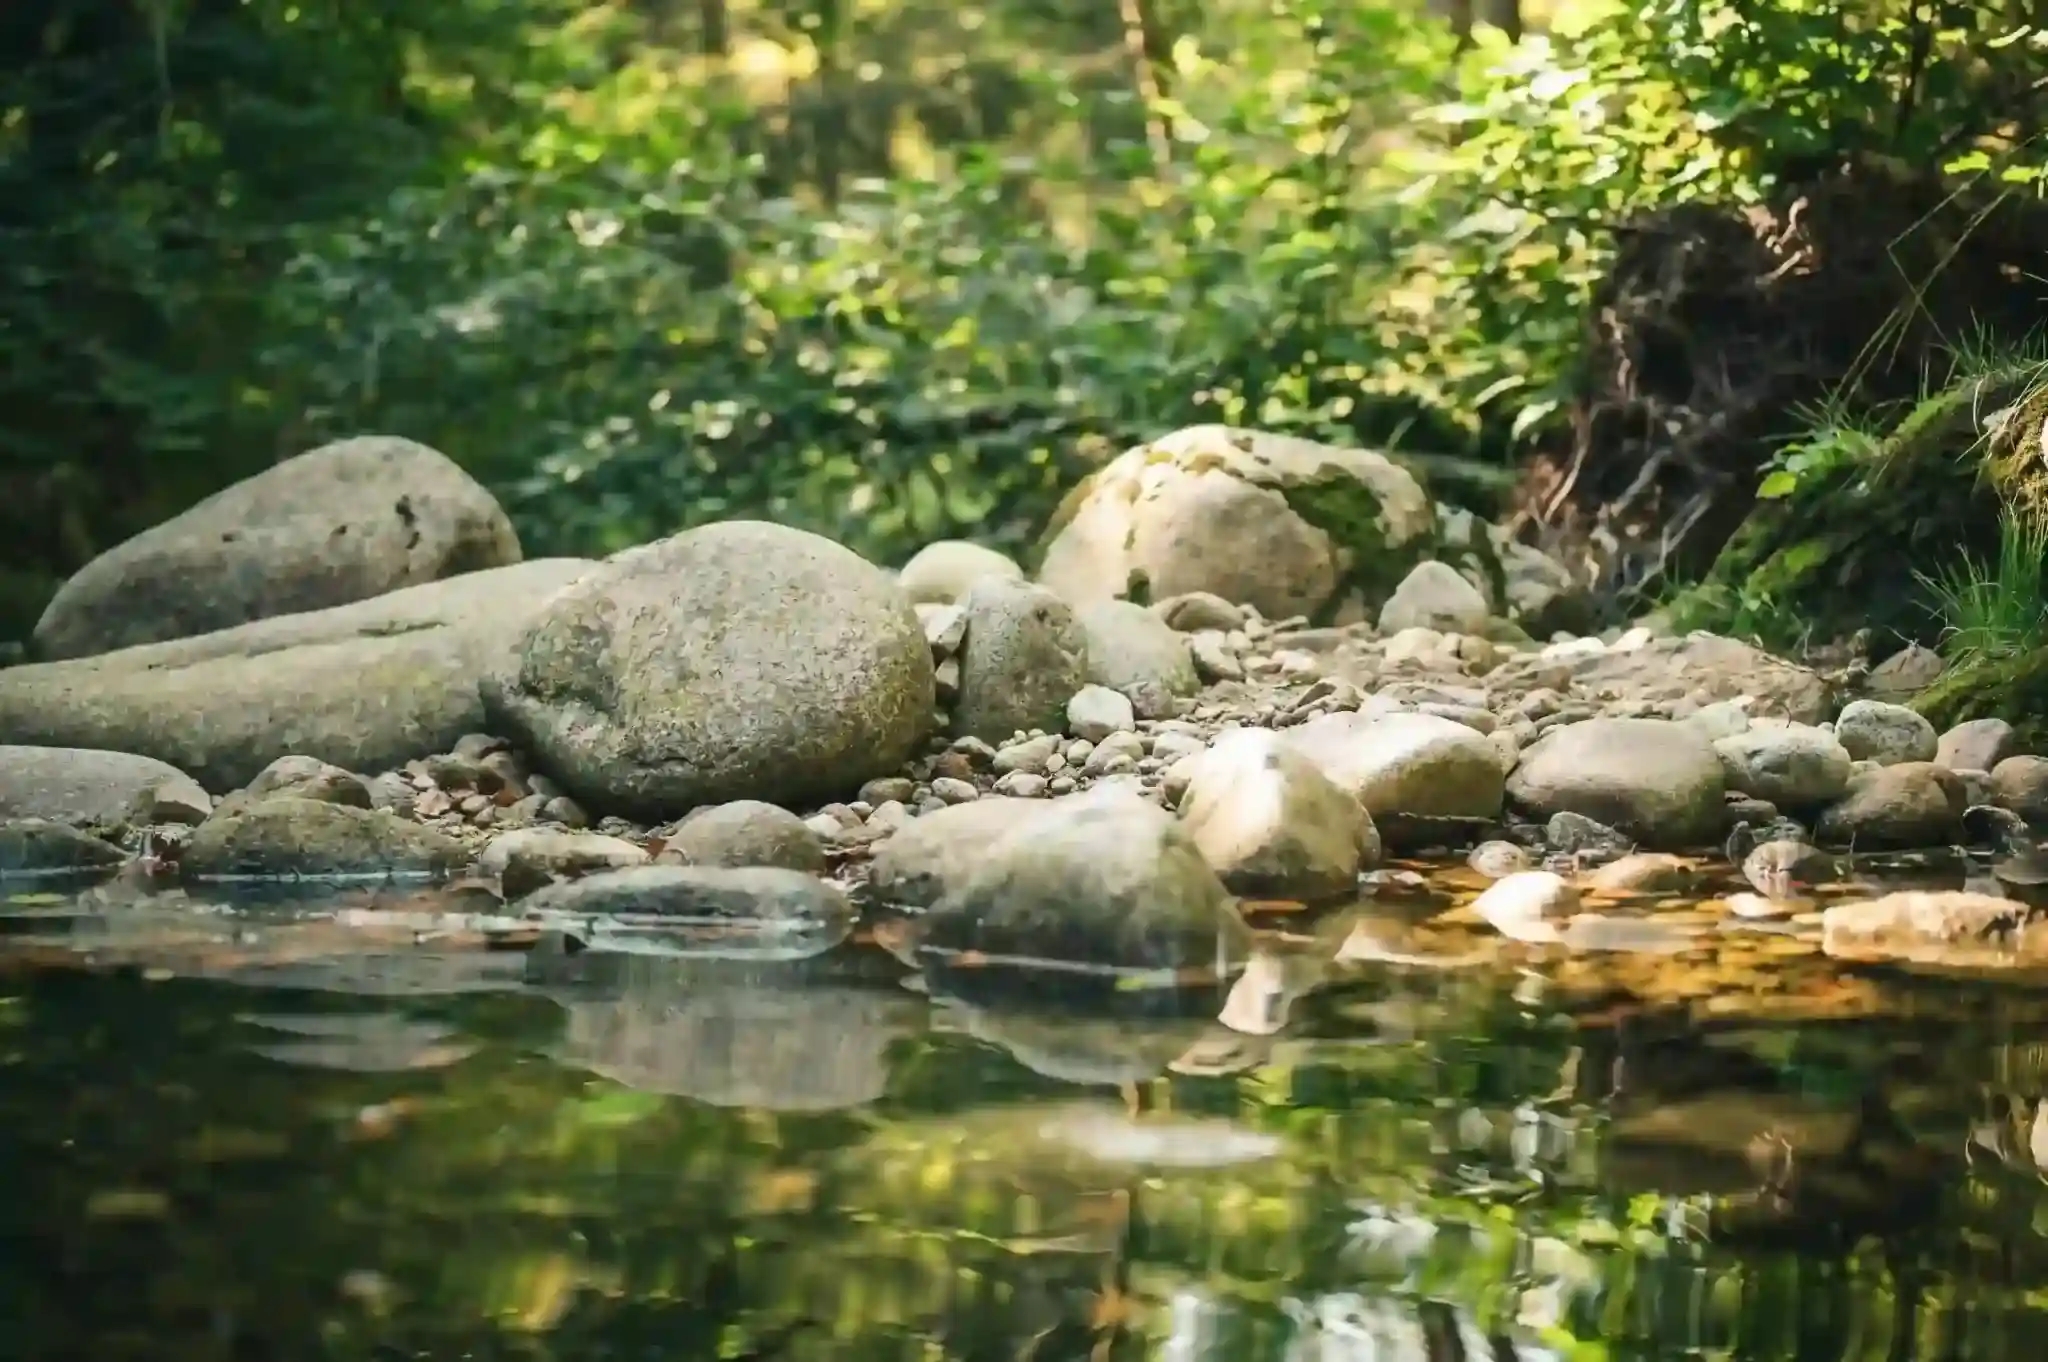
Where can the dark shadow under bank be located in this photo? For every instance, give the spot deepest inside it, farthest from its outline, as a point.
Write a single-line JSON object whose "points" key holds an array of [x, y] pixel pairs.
{"points": [[833, 1167]]}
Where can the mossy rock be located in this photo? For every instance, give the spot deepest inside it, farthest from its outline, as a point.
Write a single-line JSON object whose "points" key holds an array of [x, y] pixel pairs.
{"points": [[1844, 548], [1158, 511], [2014, 689]]}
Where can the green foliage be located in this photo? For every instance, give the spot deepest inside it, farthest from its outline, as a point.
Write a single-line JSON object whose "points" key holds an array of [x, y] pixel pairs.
{"points": [[892, 271], [2000, 608]]}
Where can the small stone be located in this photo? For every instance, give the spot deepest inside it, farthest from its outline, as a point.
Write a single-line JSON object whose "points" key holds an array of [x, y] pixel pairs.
{"points": [[1574, 834], [1022, 785], [1213, 659], [1527, 905], [531, 858], [1194, 611], [1498, 859], [1030, 754], [950, 790], [566, 811], [886, 788], [474, 804], [1060, 785], [1434, 595], [1096, 712], [1116, 753], [432, 802], [1644, 872]]}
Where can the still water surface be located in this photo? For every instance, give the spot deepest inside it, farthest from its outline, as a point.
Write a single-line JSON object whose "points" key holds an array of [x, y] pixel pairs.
{"points": [[296, 1141]]}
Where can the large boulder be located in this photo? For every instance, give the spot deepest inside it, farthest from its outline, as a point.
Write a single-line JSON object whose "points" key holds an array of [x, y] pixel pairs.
{"points": [[1284, 524], [93, 789], [366, 686], [342, 523], [1658, 782], [741, 660]]}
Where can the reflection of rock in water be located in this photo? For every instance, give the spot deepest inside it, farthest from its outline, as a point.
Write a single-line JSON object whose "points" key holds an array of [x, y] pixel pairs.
{"points": [[363, 1042], [398, 975], [782, 1036], [1079, 1049]]}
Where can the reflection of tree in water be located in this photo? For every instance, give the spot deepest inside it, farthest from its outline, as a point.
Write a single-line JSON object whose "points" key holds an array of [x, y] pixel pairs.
{"points": [[776, 1036]]}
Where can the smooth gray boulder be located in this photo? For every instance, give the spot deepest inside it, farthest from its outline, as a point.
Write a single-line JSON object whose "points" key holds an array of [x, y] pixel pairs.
{"points": [[1658, 782], [366, 686], [341, 523], [740, 660], [1104, 879], [90, 788], [289, 838]]}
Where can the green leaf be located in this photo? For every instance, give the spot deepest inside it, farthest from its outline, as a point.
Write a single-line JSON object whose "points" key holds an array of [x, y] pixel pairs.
{"points": [[1778, 484]]}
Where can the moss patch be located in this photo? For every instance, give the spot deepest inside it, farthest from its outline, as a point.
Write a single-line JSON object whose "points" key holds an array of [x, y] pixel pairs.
{"points": [[1842, 550], [1349, 512], [2011, 688]]}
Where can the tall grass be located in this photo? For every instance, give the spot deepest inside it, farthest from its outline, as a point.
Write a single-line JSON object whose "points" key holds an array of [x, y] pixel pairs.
{"points": [[1996, 609]]}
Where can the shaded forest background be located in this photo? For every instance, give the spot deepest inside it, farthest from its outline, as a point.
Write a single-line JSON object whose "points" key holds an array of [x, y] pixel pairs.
{"points": [[898, 269]]}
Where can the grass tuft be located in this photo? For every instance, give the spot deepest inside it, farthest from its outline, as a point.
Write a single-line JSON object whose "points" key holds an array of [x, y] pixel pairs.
{"points": [[1997, 609]]}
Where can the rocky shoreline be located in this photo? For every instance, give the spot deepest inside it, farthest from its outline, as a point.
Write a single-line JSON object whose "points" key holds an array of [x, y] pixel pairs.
{"points": [[747, 723]]}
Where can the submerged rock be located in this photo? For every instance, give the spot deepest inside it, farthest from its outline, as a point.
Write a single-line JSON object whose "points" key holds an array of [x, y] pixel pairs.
{"points": [[285, 837], [1528, 905], [1929, 925], [751, 894], [31, 846]]}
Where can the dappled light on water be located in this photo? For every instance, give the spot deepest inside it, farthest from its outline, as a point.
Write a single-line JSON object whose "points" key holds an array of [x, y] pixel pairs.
{"points": [[1379, 1133]]}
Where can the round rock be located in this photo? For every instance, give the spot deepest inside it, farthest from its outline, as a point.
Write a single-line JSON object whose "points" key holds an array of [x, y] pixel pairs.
{"points": [[1872, 730], [739, 660], [1656, 781], [944, 572], [1024, 658]]}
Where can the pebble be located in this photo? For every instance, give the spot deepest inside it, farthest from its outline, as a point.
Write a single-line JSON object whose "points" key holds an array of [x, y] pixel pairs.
{"points": [[1097, 712], [949, 790]]}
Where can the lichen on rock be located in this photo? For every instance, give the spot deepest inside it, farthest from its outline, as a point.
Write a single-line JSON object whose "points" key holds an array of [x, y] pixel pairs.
{"points": [[1287, 525]]}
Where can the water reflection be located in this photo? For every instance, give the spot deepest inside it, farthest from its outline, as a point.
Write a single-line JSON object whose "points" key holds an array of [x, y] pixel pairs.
{"points": [[273, 1135]]}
